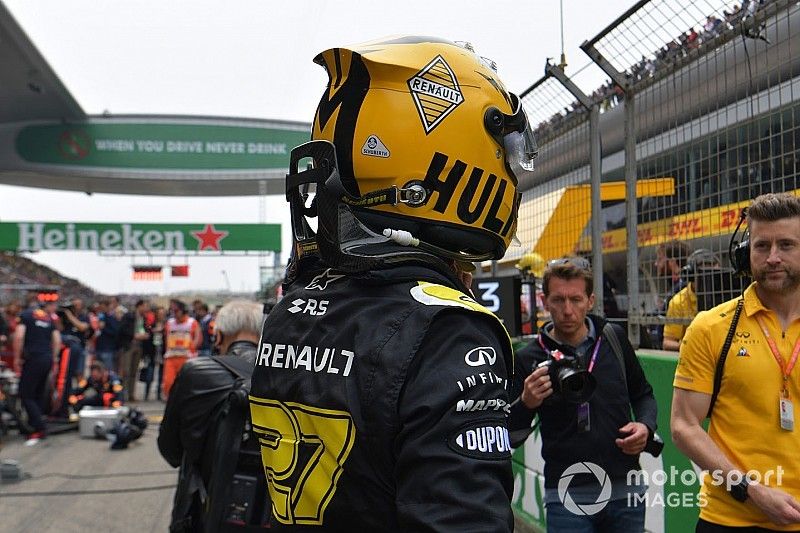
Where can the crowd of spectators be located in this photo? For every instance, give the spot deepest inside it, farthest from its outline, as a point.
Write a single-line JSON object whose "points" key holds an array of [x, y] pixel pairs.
{"points": [[19, 270], [610, 94]]}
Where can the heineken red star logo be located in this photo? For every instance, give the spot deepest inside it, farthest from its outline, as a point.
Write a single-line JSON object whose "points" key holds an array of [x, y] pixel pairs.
{"points": [[209, 237]]}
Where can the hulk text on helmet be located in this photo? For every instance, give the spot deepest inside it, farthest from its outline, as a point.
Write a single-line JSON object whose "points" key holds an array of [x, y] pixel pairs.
{"points": [[415, 141]]}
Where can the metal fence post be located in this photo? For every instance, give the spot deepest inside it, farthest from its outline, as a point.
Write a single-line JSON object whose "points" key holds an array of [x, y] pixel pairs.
{"points": [[631, 220], [595, 172]]}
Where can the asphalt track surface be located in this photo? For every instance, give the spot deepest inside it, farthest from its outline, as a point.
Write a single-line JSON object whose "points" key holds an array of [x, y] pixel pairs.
{"points": [[74, 484]]}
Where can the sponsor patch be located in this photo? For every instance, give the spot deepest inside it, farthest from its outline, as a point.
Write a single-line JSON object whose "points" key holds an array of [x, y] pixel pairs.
{"points": [[432, 294], [322, 281], [742, 352], [481, 379], [374, 147], [484, 439], [436, 92], [309, 307], [481, 356], [492, 404], [328, 360]]}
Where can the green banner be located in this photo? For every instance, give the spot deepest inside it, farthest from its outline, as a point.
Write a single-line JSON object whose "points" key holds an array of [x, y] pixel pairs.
{"points": [[179, 146], [124, 237]]}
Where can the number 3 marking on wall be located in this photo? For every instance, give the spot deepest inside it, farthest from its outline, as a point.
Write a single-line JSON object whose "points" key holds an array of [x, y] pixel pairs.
{"points": [[488, 295], [303, 449]]}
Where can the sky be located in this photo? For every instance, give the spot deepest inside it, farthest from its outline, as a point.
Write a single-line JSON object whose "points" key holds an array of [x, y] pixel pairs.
{"points": [[252, 59]]}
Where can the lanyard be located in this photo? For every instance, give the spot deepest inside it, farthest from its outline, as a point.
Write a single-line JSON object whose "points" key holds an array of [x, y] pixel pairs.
{"points": [[785, 370], [594, 351]]}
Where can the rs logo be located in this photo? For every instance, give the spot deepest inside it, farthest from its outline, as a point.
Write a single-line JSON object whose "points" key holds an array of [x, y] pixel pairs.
{"points": [[303, 449], [309, 307], [483, 355]]}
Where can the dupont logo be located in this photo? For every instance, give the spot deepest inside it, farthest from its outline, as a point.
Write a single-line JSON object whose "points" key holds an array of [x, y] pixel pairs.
{"points": [[481, 440], [436, 92]]}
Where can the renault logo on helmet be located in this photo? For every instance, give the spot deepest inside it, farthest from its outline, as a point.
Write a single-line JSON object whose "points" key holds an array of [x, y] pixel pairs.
{"points": [[436, 92], [480, 356]]}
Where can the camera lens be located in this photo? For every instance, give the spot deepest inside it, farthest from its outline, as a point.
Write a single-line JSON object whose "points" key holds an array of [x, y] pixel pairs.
{"points": [[576, 386]]}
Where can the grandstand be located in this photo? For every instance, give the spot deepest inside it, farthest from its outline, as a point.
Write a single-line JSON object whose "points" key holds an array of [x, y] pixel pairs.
{"points": [[18, 274], [716, 98]]}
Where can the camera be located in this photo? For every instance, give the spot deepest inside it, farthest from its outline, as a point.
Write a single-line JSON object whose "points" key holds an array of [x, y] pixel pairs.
{"points": [[569, 377], [655, 444]]}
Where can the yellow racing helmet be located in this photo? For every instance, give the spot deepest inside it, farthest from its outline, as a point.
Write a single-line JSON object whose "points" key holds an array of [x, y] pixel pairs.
{"points": [[429, 147], [532, 263]]}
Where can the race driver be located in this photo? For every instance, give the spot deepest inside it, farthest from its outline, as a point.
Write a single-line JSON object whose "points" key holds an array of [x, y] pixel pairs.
{"points": [[379, 394]]}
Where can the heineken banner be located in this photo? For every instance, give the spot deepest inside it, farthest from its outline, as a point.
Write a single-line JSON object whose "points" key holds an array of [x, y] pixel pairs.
{"points": [[177, 146], [123, 237]]}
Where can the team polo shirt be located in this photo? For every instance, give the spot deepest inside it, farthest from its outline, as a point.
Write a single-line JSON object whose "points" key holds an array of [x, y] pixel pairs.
{"points": [[682, 305], [745, 423], [39, 329]]}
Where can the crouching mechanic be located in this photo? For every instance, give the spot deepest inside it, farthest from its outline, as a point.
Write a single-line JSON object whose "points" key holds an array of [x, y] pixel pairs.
{"points": [[585, 411], [190, 434], [379, 392], [102, 389]]}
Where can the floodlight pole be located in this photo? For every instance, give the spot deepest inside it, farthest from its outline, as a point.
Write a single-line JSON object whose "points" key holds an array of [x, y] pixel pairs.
{"points": [[595, 172], [631, 209]]}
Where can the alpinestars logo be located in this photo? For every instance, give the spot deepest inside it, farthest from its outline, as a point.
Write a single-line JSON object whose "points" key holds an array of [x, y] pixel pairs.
{"points": [[436, 92], [322, 281]]}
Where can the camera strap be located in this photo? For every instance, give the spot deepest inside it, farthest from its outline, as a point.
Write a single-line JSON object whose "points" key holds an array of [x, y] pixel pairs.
{"points": [[558, 354], [616, 347], [723, 355]]}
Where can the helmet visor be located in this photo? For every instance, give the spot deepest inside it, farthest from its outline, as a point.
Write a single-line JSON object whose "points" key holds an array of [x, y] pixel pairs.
{"points": [[518, 141]]}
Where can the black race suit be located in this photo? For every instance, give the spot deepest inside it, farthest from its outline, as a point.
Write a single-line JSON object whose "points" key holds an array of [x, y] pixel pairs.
{"points": [[381, 403]]}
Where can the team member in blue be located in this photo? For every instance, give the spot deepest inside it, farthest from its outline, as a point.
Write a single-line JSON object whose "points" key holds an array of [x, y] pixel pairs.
{"points": [[379, 390], [36, 344]]}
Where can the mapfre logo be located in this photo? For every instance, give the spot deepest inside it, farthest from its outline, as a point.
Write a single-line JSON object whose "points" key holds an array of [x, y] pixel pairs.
{"points": [[436, 92], [309, 307], [480, 356]]}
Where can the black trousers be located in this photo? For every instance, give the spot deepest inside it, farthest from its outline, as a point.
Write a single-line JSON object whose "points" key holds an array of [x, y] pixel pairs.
{"points": [[32, 388]]}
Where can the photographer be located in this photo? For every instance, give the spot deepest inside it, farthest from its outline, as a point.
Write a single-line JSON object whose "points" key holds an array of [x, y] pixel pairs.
{"points": [[190, 437], [583, 397]]}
